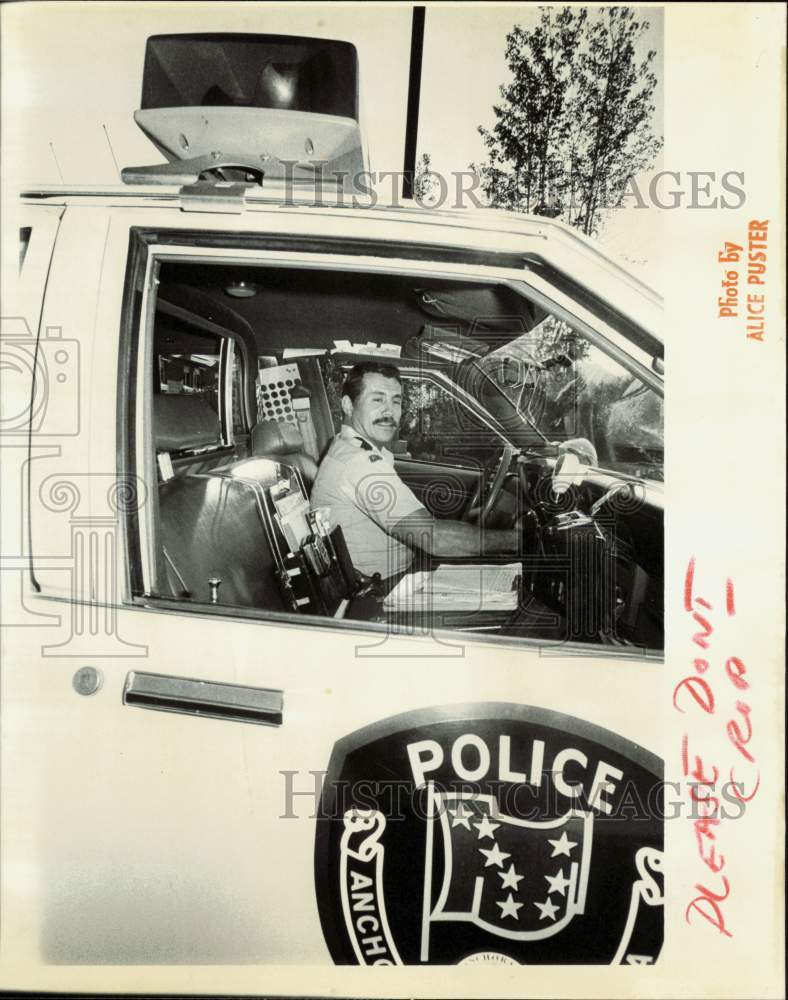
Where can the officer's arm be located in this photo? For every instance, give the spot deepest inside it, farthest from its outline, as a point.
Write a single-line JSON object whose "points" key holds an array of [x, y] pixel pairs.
{"points": [[420, 530]]}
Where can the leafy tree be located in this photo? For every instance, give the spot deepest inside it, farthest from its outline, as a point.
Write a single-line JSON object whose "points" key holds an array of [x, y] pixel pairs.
{"points": [[425, 183], [574, 125], [612, 109], [532, 129]]}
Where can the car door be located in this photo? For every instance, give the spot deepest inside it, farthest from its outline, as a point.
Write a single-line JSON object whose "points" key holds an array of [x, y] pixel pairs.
{"points": [[164, 773]]}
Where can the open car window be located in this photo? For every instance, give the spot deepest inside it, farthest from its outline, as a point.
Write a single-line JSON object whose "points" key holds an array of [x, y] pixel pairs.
{"points": [[246, 363]]}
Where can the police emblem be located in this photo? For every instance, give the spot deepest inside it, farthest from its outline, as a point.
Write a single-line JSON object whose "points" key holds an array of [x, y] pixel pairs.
{"points": [[492, 834]]}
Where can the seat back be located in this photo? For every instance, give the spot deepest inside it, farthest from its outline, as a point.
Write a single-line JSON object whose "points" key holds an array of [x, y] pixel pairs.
{"points": [[212, 526], [281, 441], [223, 525], [181, 421], [183, 426]]}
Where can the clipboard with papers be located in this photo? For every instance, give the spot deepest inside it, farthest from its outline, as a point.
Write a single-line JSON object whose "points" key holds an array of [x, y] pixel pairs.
{"points": [[291, 514], [458, 587]]}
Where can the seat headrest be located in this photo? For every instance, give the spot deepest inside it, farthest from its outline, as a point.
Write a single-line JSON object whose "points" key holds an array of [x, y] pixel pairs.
{"points": [[182, 421], [273, 437]]}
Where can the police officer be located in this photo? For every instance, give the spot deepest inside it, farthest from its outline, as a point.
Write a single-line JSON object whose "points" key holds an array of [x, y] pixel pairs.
{"points": [[382, 521]]}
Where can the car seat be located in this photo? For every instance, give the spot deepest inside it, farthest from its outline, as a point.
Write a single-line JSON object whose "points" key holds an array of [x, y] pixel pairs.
{"points": [[281, 441]]}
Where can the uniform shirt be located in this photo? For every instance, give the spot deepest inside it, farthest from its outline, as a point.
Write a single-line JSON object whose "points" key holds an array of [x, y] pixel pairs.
{"points": [[357, 480]]}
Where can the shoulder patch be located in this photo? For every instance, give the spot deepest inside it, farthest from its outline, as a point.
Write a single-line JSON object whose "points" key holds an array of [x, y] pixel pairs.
{"points": [[376, 458]]}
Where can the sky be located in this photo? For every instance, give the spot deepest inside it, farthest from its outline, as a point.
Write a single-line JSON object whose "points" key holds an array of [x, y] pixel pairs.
{"points": [[72, 76]]}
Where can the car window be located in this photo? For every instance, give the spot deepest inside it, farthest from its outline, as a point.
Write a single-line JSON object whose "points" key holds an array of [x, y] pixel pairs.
{"points": [[239, 518], [569, 388], [435, 425], [190, 375], [189, 364]]}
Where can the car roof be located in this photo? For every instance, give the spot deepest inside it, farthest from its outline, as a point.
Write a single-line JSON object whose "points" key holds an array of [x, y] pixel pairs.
{"points": [[482, 217], [568, 250]]}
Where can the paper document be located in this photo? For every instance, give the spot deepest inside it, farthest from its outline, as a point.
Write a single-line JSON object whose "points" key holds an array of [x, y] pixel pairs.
{"points": [[457, 588], [291, 515]]}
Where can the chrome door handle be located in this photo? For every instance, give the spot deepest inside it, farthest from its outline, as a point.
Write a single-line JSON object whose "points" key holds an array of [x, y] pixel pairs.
{"points": [[233, 702]]}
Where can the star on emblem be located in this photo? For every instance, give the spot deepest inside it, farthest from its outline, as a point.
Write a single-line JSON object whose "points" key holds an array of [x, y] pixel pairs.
{"points": [[509, 908], [460, 817], [510, 879], [547, 909], [562, 846], [486, 828], [495, 856], [558, 883]]}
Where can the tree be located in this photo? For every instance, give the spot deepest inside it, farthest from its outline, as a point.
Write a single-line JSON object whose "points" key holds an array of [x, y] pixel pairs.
{"points": [[425, 181], [612, 108], [574, 125], [532, 127]]}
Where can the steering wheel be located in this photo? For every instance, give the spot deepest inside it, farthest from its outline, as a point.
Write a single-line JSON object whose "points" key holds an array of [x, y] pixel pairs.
{"points": [[494, 491]]}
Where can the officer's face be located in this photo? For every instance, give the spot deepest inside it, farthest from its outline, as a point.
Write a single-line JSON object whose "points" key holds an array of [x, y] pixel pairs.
{"points": [[377, 411]]}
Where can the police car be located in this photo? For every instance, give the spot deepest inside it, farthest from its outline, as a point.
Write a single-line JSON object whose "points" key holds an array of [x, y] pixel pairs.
{"points": [[186, 335]]}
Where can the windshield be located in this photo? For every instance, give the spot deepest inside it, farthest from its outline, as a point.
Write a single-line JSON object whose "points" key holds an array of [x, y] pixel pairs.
{"points": [[567, 387]]}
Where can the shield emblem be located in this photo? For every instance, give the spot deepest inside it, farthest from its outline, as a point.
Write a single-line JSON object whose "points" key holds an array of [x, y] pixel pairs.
{"points": [[492, 834], [519, 879]]}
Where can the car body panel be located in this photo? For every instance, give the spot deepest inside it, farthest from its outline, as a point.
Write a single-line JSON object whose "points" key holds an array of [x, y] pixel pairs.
{"points": [[145, 837], [159, 838]]}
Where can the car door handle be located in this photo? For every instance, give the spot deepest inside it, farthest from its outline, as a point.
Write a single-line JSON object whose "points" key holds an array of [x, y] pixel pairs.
{"points": [[232, 702]]}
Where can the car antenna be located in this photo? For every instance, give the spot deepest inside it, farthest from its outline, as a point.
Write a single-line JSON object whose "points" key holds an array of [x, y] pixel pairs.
{"points": [[54, 157], [112, 151]]}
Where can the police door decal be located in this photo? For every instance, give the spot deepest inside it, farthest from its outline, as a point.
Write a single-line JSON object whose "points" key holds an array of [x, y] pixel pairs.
{"points": [[491, 833]]}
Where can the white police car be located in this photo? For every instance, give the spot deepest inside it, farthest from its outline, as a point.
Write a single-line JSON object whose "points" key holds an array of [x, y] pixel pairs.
{"points": [[185, 337]]}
